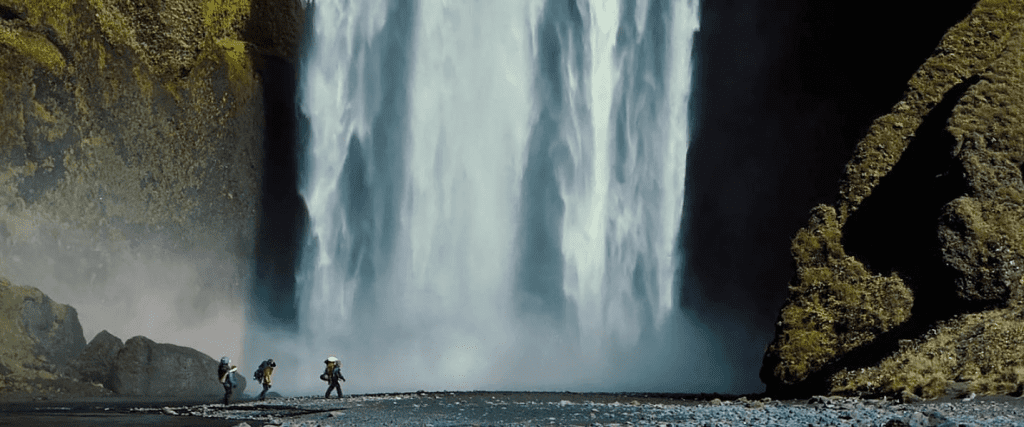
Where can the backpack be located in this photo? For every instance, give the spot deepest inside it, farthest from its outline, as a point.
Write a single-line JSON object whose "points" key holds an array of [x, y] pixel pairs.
{"points": [[258, 375]]}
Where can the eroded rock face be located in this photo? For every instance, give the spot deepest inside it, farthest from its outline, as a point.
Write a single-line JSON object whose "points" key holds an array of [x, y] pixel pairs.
{"points": [[928, 229], [39, 336], [145, 368], [130, 116], [43, 352], [95, 363], [131, 150], [54, 328], [131, 144]]}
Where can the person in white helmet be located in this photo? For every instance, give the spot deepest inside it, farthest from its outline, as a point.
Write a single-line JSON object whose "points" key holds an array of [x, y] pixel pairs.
{"points": [[226, 373], [332, 373]]}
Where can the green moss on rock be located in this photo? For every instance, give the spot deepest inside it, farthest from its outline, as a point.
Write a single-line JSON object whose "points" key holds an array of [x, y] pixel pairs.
{"points": [[131, 136], [34, 46], [969, 48], [837, 305], [972, 353], [148, 113]]}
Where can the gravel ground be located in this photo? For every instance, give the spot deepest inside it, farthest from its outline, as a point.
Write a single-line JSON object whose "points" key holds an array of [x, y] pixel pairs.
{"points": [[579, 409]]}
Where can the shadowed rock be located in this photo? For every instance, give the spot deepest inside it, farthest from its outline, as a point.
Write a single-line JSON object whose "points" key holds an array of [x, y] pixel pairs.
{"points": [[37, 335], [96, 362], [54, 328], [931, 206], [146, 368]]}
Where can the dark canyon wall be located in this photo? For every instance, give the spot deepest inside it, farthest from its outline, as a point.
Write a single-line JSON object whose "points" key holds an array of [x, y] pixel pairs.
{"points": [[911, 282], [783, 90]]}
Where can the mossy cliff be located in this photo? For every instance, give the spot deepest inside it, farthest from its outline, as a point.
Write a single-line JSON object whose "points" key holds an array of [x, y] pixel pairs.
{"points": [[131, 141], [144, 114], [912, 281], [37, 339]]}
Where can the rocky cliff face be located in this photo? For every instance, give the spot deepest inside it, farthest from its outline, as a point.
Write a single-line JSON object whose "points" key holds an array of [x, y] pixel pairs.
{"points": [[37, 337], [95, 364], [43, 353], [131, 140], [145, 368], [912, 282]]}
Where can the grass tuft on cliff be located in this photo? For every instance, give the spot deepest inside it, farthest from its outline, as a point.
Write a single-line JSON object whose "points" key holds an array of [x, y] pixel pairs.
{"points": [[974, 353]]}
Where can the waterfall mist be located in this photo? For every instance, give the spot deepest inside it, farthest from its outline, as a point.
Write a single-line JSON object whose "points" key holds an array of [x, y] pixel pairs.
{"points": [[495, 193]]}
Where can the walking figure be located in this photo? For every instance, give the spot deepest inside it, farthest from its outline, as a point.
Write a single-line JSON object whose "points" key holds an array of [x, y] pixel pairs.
{"points": [[332, 373], [263, 374], [225, 372]]}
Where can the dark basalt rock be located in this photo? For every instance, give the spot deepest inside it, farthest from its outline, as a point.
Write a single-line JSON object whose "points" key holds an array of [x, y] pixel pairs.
{"points": [[146, 368], [54, 328], [95, 363]]}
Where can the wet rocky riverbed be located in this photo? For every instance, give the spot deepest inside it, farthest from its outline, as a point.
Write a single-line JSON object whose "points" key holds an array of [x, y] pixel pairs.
{"points": [[528, 409]]}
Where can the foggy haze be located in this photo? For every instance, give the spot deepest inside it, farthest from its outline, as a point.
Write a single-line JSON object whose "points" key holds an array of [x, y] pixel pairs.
{"points": [[130, 287]]}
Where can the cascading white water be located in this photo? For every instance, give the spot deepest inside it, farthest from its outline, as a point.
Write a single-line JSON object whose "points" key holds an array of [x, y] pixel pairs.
{"points": [[494, 193]]}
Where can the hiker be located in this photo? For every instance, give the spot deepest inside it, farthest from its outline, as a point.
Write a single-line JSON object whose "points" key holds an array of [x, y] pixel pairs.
{"points": [[226, 374], [263, 374], [332, 373]]}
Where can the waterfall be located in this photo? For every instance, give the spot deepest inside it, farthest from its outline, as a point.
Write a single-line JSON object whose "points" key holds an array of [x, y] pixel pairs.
{"points": [[495, 193]]}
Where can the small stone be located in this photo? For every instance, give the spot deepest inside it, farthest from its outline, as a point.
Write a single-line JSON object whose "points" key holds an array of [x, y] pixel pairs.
{"points": [[896, 422], [168, 411], [716, 402], [935, 418], [908, 397]]}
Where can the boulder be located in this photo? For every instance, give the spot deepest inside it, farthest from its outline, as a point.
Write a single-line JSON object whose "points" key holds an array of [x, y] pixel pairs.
{"points": [[38, 336], [53, 327], [921, 257], [146, 368], [95, 364]]}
